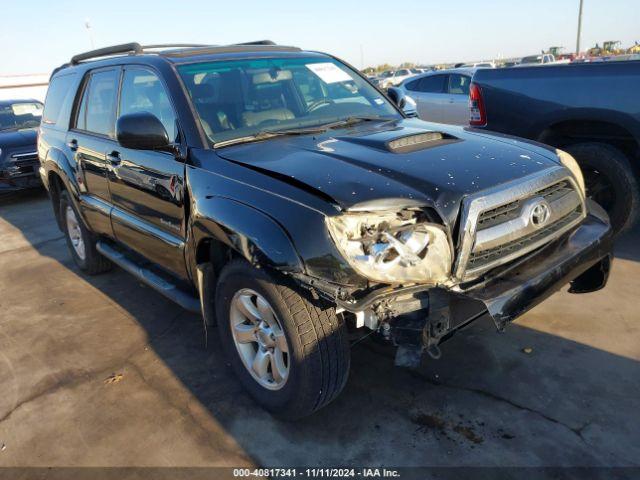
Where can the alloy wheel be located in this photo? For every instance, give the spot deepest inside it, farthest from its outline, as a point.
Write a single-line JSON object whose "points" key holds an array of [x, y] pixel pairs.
{"points": [[259, 339]]}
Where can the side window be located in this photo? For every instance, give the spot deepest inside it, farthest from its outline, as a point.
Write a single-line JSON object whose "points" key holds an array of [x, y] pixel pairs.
{"points": [[57, 96], [459, 84], [413, 85], [142, 91], [432, 84], [97, 109]]}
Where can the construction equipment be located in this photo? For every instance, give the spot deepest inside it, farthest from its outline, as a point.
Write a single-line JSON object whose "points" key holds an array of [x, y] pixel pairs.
{"points": [[635, 48]]}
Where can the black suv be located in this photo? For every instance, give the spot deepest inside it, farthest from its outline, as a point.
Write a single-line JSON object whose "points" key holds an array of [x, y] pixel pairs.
{"points": [[296, 206], [19, 120]]}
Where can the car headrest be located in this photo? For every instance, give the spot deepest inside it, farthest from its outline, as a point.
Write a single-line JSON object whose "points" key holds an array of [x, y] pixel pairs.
{"points": [[203, 93], [272, 77]]}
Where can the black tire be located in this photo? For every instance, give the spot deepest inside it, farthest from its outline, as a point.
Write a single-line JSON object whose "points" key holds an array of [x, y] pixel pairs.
{"points": [[319, 355], [93, 263], [610, 181]]}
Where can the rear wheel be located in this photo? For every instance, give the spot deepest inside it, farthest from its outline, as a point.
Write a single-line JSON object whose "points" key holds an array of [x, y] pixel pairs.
{"points": [[81, 243], [289, 352], [610, 181]]}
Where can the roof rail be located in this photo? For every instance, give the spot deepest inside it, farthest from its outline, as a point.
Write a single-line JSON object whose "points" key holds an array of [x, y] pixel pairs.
{"points": [[258, 42], [133, 47], [177, 45]]}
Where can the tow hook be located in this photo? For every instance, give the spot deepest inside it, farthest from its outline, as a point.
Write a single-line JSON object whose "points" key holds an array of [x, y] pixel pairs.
{"points": [[430, 332]]}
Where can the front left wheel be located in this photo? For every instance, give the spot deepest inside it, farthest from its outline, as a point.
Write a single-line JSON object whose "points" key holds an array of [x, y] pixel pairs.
{"points": [[290, 352]]}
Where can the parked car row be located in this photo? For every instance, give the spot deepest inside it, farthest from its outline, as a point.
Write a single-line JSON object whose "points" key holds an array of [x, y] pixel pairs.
{"points": [[393, 78]]}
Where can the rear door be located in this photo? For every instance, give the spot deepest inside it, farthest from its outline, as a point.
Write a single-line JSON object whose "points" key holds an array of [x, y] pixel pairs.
{"points": [[455, 109], [429, 94], [93, 135], [147, 187]]}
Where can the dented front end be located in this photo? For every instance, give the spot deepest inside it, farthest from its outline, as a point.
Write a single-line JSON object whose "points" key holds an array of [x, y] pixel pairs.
{"points": [[418, 318]]}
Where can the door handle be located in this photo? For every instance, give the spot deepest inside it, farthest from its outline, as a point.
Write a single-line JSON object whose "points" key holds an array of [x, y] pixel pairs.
{"points": [[114, 158], [451, 100], [73, 145]]}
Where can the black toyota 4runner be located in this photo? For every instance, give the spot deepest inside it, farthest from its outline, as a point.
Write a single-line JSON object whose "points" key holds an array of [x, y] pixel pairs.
{"points": [[294, 205]]}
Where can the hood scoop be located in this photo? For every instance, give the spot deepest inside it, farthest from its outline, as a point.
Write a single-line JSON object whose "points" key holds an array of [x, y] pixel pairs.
{"points": [[407, 143], [413, 143]]}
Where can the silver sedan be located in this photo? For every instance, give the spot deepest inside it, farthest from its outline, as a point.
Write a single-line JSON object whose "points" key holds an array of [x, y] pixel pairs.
{"points": [[441, 96]]}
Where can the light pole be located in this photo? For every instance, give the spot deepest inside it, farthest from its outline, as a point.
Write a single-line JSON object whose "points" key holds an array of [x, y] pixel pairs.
{"points": [[87, 25], [579, 28]]}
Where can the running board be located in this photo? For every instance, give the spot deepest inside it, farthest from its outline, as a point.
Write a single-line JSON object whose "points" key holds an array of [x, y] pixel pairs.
{"points": [[151, 279]]}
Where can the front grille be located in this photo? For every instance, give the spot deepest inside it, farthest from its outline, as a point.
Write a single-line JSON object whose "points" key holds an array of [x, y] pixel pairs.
{"points": [[506, 222], [504, 213], [27, 158], [486, 257]]}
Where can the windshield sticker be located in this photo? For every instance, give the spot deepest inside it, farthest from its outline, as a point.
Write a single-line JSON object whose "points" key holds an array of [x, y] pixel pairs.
{"points": [[329, 72], [379, 101]]}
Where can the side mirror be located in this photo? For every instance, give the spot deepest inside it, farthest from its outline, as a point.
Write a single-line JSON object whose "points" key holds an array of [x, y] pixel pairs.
{"points": [[404, 103], [141, 131]]}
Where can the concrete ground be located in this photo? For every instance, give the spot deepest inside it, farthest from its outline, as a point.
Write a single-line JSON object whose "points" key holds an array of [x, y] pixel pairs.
{"points": [[104, 371]]}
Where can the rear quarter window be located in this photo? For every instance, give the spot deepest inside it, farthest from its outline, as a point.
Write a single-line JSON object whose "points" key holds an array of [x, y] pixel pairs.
{"points": [[58, 97]]}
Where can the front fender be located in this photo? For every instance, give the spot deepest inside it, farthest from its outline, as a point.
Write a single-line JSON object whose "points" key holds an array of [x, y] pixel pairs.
{"points": [[248, 231]]}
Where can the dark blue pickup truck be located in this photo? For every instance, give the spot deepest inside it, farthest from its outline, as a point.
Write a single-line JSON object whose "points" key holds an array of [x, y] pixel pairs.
{"points": [[590, 110]]}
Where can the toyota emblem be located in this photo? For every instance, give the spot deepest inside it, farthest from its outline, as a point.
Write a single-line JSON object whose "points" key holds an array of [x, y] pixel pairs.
{"points": [[540, 214]]}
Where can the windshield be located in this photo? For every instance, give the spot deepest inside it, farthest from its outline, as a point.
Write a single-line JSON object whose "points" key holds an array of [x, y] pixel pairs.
{"points": [[241, 98], [19, 115]]}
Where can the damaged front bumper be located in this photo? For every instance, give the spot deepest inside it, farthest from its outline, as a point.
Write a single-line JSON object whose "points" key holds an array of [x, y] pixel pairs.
{"points": [[19, 176], [421, 317]]}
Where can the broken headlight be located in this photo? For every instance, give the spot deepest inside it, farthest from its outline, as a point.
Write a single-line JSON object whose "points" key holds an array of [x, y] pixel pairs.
{"points": [[393, 247]]}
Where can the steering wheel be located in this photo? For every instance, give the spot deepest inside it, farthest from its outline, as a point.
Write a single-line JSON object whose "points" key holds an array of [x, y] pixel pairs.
{"points": [[319, 103]]}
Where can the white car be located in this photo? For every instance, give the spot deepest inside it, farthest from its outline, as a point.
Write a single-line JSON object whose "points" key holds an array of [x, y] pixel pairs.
{"points": [[394, 78], [479, 65], [441, 96], [533, 60]]}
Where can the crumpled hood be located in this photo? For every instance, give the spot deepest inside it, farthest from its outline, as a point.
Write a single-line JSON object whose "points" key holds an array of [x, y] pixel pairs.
{"points": [[18, 138], [355, 165]]}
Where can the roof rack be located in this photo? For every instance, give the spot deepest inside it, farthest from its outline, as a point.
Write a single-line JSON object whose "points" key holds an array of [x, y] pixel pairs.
{"points": [[257, 42], [135, 48], [176, 45]]}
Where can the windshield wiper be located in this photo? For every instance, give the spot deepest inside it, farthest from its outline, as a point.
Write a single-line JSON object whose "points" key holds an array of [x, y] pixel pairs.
{"points": [[265, 134]]}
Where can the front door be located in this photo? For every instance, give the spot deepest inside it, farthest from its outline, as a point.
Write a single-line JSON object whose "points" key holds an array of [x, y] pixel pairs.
{"points": [[147, 187]]}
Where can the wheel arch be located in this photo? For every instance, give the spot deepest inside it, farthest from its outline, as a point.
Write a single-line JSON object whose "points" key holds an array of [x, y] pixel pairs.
{"points": [[60, 176], [611, 131], [223, 229]]}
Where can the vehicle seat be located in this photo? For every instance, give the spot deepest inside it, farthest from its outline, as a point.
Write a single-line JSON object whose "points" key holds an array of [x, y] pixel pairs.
{"points": [[212, 114], [266, 105], [252, 119]]}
